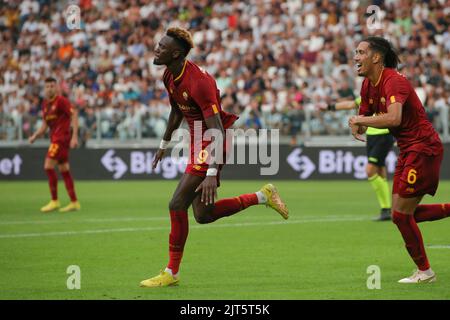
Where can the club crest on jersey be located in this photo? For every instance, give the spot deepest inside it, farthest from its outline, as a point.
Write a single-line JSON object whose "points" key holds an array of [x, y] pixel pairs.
{"points": [[185, 95], [383, 100], [371, 101]]}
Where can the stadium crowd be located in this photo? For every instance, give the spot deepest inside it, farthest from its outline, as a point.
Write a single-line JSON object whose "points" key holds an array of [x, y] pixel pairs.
{"points": [[275, 62]]}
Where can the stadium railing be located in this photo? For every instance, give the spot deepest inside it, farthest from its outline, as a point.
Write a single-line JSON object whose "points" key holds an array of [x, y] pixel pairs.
{"points": [[134, 132]]}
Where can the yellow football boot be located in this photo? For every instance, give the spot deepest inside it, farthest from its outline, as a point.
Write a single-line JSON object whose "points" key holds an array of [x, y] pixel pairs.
{"points": [[274, 200], [51, 206], [164, 279], [73, 206]]}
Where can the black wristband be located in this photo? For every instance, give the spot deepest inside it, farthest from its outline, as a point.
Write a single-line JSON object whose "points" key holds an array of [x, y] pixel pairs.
{"points": [[332, 107]]}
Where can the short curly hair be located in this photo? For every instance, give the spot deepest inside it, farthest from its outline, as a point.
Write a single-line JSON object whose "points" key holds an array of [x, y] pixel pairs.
{"points": [[182, 37]]}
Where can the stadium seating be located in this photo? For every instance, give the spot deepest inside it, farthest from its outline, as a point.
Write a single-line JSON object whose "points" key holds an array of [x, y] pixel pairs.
{"points": [[275, 62]]}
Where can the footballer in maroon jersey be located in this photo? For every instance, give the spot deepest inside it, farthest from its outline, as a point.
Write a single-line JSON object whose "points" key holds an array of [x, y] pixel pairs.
{"points": [[389, 101], [59, 116], [194, 96]]}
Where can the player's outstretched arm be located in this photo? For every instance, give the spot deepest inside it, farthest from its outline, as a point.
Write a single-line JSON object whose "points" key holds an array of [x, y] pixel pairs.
{"points": [[342, 105], [209, 185], [346, 105], [39, 133], [175, 118]]}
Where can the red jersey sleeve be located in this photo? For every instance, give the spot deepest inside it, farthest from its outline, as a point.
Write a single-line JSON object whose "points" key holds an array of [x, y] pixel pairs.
{"points": [[364, 107], [205, 96], [397, 89], [64, 106]]}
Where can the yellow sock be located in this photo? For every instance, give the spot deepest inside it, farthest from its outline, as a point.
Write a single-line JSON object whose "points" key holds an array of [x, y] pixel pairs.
{"points": [[381, 188]]}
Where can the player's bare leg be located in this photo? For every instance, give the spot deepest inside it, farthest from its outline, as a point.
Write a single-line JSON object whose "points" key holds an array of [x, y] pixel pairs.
{"points": [[74, 205], [403, 217], [267, 195], [49, 167], [181, 200], [377, 177]]}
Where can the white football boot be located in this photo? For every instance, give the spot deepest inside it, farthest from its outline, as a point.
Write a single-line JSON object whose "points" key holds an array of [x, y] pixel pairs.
{"points": [[418, 276]]}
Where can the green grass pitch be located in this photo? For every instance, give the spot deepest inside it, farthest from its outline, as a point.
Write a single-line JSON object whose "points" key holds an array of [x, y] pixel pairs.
{"points": [[120, 237]]}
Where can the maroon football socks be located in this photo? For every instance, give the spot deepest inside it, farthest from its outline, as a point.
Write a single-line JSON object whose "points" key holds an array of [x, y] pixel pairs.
{"points": [[177, 238], [68, 181], [431, 212], [230, 206], [413, 238], [53, 183]]}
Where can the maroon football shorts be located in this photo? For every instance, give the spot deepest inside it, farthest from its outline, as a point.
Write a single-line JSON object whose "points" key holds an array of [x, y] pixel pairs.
{"points": [[58, 151], [416, 174], [198, 164]]}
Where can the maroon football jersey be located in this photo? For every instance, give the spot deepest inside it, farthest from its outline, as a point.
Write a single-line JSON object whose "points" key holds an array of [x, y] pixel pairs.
{"points": [[57, 114], [415, 132], [195, 93]]}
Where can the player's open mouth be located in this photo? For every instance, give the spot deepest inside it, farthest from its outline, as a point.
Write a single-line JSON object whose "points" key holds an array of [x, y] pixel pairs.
{"points": [[358, 67]]}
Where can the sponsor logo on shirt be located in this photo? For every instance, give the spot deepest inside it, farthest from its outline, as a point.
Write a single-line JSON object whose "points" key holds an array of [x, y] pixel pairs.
{"points": [[183, 107]]}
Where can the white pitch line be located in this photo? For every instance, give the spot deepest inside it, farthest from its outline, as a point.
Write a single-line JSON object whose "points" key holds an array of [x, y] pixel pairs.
{"points": [[438, 246], [93, 220], [243, 224], [128, 219]]}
